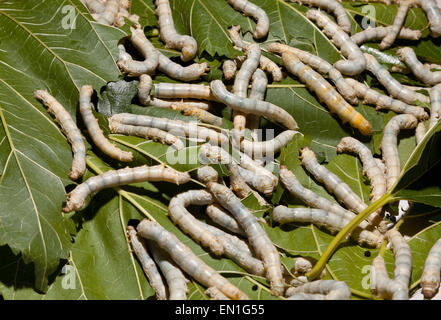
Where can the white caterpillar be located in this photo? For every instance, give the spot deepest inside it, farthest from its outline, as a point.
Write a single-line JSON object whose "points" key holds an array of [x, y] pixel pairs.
{"points": [[389, 145], [382, 285], [257, 237], [331, 6], [215, 294], [229, 68], [147, 263], [356, 62], [302, 266], [95, 6], [261, 182], [381, 1], [326, 93], [330, 289], [110, 12], [95, 131], [433, 14], [408, 56], [430, 278], [202, 115], [144, 46], [435, 105], [250, 9], [176, 127], [124, 13], [395, 89], [187, 260], [420, 132], [246, 105], [168, 34], [223, 219], [176, 281], [320, 65], [178, 72], [403, 257], [182, 90], [148, 133], [378, 33], [262, 148], [70, 130], [115, 178], [258, 90], [384, 102]]}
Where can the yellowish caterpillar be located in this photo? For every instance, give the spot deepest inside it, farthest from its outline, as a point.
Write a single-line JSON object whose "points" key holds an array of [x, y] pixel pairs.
{"points": [[95, 131], [261, 148], [257, 237], [124, 13], [326, 93], [115, 178], [420, 132], [250, 9], [175, 127], [261, 182], [203, 115], [320, 65], [408, 56], [168, 34], [356, 62], [250, 106], [215, 294], [187, 260], [331, 6], [147, 263], [182, 90], [229, 68], [389, 145], [378, 33], [395, 89], [206, 174], [176, 281], [70, 130], [178, 72], [330, 289], [110, 12], [430, 278], [223, 219], [435, 105], [384, 102]]}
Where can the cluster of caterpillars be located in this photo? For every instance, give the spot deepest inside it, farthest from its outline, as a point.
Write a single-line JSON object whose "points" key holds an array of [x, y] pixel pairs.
{"points": [[235, 232]]}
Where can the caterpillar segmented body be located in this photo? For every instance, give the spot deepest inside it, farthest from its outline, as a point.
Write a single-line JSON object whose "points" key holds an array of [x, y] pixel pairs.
{"points": [[70, 130], [124, 13], [320, 65], [261, 182], [229, 68], [238, 243], [250, 9], [395, 89], [331, 6], [223, 219], [215, 294], [202, 115], [176, 281], [408, 56], [382, 285], [384, 102], [258, 90], [176, 127], [250, 106], [389, 145], [356, 62], [182, 90], [261, 148], [430, 279], [326, 93], [110, 12], [302, 266], [178, 72], [95, 6], [147, 263], [435, 105], [381, 1], [433, 14], [420, 132], [257, 237], [378, 33], [330, 289], [403, 257], [168, 34], [187, 260], [115, 178], [95, 131], [206, 174]]}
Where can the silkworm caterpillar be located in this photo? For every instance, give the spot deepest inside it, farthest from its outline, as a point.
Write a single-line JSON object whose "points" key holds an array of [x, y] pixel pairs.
{"points": [[408, 56], [258, 90], [435, 105], [266, 64], [187, 260], [182, 90], [261, 182], [250, 9], [206, 174], [389, 146], [378, 33], [420, 132], [433, 15], [168, 34], [176, 281], [95, 131], [272, 146], [202, 115], [430, 278], [215, 294], [403, 257], [382, 285], [223, 219], [313, 200], [70, 130], [326, 93], [331, 289], [331, 6], [305, 296], [115, 178], [108, 15], [124, 13], [384, 102], [257, 237], [95, 6], [148, 133], [178, 72], [395, 89], [247, 105], [302, 266], [356, 62], [235, 241], [175, 127], [229, 68], [147, 263], [320, 65], [381, 1]]}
